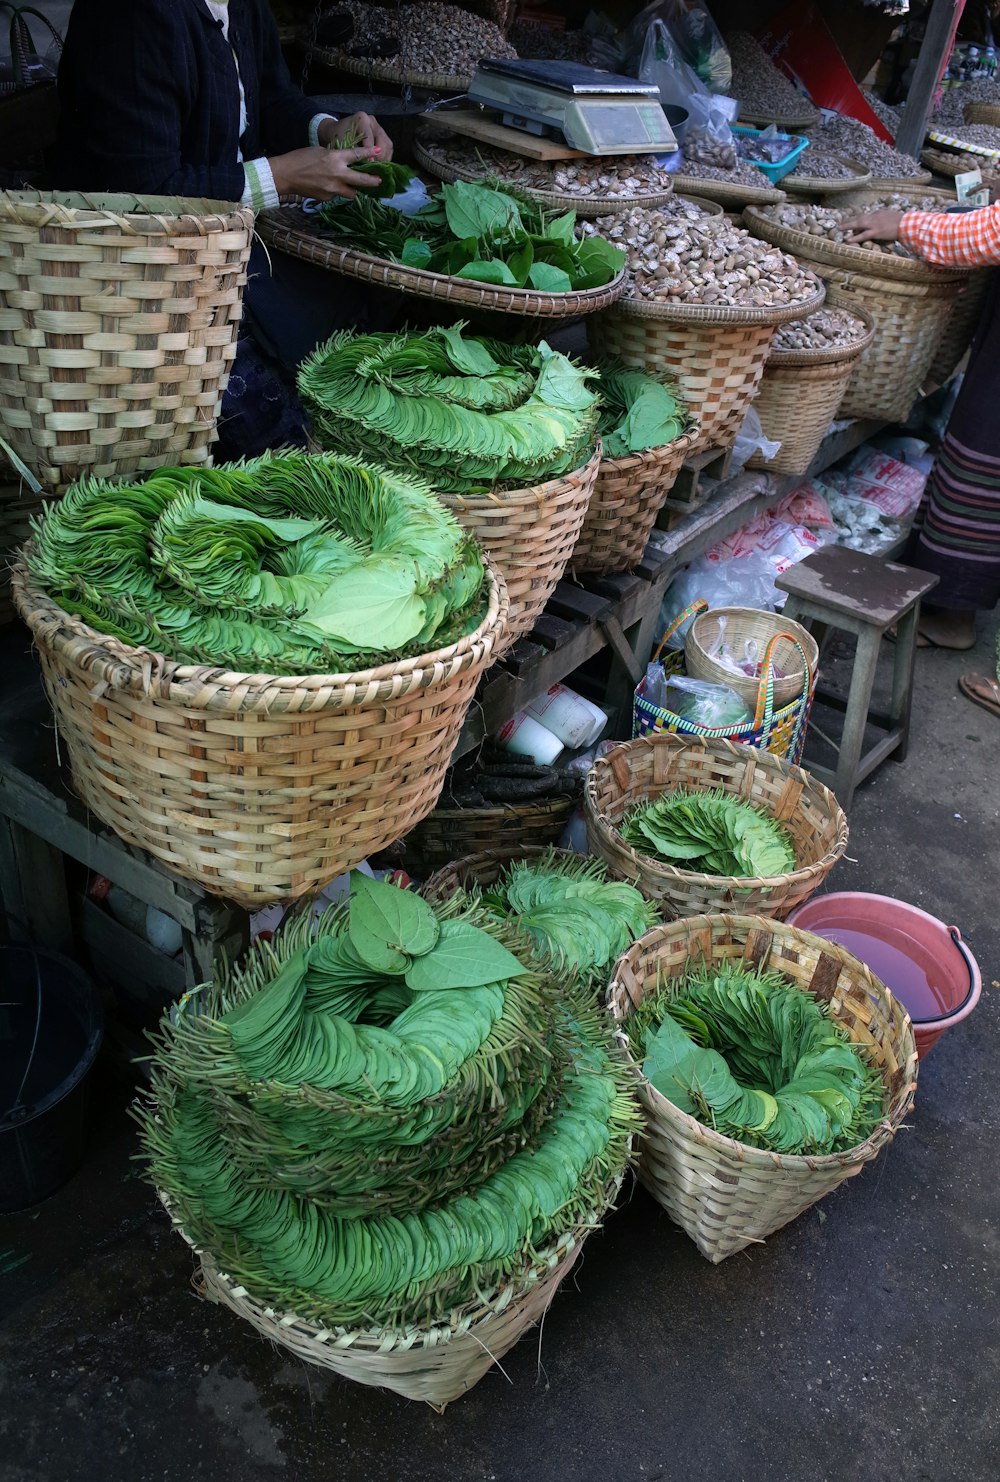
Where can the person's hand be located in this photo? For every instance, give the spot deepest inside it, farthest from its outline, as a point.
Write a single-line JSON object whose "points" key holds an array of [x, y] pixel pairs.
{"points": [[874, 226], [361, 129], [991, 182], [320, 173]]}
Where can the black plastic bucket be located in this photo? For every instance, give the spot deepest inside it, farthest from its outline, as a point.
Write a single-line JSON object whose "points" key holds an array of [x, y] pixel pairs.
{"points": [[51, 1026]]}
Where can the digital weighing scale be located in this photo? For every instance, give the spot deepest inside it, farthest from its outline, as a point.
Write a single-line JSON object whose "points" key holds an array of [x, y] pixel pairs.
{"points": [[594, 111]]}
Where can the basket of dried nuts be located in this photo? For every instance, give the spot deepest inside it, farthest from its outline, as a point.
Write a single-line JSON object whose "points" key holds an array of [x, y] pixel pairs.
{"points": [[765, 93], [703, 301], [435, 47], [909, 301], [590, 187], [819, 173], [805, 378]]}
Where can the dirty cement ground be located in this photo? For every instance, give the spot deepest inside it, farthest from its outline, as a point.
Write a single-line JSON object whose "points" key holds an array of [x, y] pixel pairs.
{"points": [[860, 1343]]}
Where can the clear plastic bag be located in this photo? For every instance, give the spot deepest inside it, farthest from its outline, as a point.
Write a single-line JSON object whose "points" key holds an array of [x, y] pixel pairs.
{"points": [[661, 64], [746, 581], [750, 440], [699, 41], [711, 705], [708, 138]]}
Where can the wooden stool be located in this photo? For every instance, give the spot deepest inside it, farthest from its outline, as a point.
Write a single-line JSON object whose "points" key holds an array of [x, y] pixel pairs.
{"points": [[863, 595]]}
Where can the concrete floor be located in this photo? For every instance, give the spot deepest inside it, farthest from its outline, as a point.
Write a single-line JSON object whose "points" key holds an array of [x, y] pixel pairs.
{"points": [[860, 1343]]}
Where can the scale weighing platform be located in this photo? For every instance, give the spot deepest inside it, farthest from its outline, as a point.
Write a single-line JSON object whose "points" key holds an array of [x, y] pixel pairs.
{"points": [[595, 112]]}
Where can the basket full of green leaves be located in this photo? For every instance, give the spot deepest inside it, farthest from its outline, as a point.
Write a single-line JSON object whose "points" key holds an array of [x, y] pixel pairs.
{"points": [[574, 914], [474, 246], [259, 670], [506, 433], [771, 1066], [646, 433], [387, 1137], [704, 825]]}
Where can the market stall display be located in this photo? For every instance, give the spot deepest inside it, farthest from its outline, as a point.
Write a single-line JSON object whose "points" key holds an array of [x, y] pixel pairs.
{"points": [[590, 186], [909, 301], [482, 1128], [949, 161], [765, 94], [119, 329], [642, 771], [843, 135], [805, 379], [820, 173], [374, 571], [702, 303], [981, 140], [433, 45], [727, 1193]]}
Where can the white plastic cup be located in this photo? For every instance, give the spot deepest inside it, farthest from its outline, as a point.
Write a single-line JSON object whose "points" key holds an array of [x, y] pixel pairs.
{"points": [[576, 721], [525, 737]]}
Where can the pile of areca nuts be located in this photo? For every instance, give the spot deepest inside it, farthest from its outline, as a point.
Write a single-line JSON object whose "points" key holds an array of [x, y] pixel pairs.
{"points": [[829, 222], [704, 260], [627, 177], [827, 328], [428, 37]]}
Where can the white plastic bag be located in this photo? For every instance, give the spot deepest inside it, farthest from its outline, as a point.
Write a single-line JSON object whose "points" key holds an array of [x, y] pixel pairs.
{"points": [[662, 65], [744, 582], [750, 440]]}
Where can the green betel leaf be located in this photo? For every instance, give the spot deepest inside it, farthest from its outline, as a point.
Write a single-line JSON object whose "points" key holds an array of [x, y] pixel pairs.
{"points": [[469, 356], [561, 229], [376, 600], [549, 279], [465, 957], [492, 271], [476, 211], [389, 926], [416, 253], [232, 514], [520, 260]]}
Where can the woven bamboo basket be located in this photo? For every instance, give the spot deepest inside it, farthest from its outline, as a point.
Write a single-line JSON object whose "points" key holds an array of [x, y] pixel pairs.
{"points": [[817, 185], [909, 303], [743, 624], [18, 506], [982, 113], [480, 871], [800, 394], [948, 161], [584, 206], [728, 196], [901, 182], [715, 355], [530, 533], [628, 495], [258, 788], [986, 155], [646, 768], [808, 118], [724, 1194], [118, 324], [962, 324], [514, 829], [288, 230], [870, 197], [380, 71], [435, 1365]]}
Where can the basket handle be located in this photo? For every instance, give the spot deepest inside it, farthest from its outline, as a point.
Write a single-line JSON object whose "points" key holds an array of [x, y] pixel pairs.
{"points": [[22, 45], [700, 605], [764, 713]]}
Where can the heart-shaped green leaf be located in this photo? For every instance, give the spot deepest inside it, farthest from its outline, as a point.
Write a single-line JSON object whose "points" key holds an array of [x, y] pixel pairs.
{"points": [[465, 957]]}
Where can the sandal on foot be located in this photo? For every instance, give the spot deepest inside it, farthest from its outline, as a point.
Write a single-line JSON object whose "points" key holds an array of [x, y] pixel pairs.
{"points": [[981, 690]]}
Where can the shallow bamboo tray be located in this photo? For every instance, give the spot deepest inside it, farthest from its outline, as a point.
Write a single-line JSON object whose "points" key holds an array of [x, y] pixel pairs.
{"points": [[818, 185], [381, 71], [715, 355], [725, 1194], [258, 788], [726, 195], [286, 230], [807, 118], [949, 162], [800, 394], [646, 768], [118, 324], [628, 495], [584, 206], [530, 533]]}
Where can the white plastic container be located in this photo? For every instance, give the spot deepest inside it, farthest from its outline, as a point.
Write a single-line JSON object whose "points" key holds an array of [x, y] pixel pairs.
{"points": [[569, 716], [525, 737]]}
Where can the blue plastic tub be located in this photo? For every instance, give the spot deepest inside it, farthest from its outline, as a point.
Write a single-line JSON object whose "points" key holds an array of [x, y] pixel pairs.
{"points": [[784, 167]]}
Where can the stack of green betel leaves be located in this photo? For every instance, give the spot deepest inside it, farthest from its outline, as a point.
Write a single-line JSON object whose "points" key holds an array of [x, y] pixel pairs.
{"points": [[757, 1059], [290, 564], [710, 833], [387, 1114], [479, 233], [471, 415], [638, 412]]}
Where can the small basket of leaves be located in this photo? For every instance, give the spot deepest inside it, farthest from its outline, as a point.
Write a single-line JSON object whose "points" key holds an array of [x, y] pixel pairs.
{"points": [[771, 1066], [646, 433], [705, 825]]}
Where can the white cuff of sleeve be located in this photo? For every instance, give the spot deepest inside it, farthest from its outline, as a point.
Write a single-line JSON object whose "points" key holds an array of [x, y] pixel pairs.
{"points": [[314, 123], [260, 191]]}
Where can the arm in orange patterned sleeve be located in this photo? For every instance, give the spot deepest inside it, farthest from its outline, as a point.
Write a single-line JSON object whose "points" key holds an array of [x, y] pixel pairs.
{"points": [[962, 239]]}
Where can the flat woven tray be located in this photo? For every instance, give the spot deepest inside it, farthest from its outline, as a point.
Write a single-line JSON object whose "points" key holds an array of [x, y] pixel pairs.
{"points": [[705, 314], [901, 182], [965, 146], [584, 206], [726, 194], [286, 229], [807, 119], [432, 82], [818, 184], [948, 161], [842, 254]]}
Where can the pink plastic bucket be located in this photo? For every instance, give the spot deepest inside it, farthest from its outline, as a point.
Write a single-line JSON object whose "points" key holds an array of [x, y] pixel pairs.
{"points": [[923, 962]]}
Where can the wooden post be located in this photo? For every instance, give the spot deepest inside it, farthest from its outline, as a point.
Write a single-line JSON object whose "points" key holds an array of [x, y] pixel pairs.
{"points": [[942, 23]]}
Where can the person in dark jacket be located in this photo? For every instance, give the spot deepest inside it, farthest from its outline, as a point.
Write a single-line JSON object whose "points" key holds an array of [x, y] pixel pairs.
{"points": [[193, 98]]}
